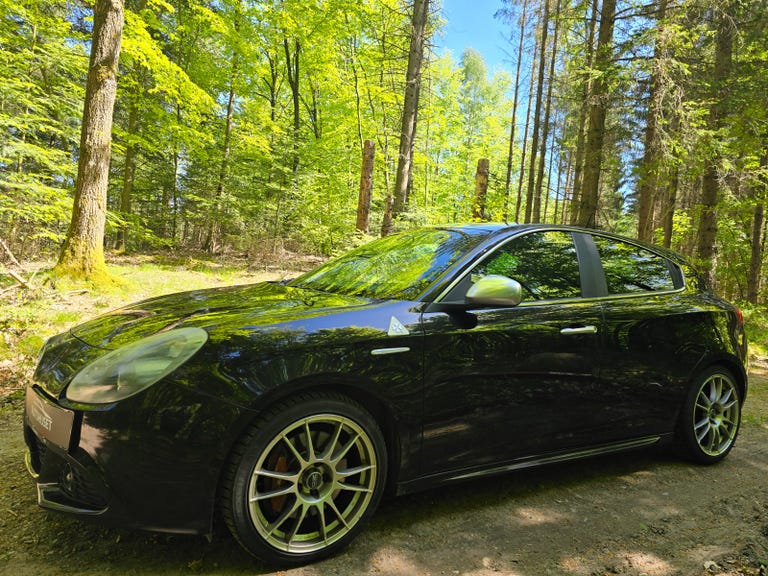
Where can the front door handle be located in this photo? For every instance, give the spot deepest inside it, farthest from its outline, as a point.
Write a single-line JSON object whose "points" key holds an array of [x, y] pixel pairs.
{"points": [[579, 330]]}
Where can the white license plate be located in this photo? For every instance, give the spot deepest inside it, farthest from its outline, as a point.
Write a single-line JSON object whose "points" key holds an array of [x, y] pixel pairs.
{"points": [[50, 422]]}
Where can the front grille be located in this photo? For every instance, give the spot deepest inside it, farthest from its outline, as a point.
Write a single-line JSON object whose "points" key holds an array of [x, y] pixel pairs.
{"points": [[38, 453], [80, 487]]}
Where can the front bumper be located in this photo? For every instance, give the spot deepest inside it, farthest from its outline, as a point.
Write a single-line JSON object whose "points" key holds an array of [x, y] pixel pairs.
{"points": [[63, 484], [129, 466], [66, 478]]}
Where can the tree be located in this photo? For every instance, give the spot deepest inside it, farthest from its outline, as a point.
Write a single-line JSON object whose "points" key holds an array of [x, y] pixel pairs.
{"points": [[650, 166], [43, 68], [220, 133], [586, 81], [83, 253], [598, 106], [212, 237], [758, 195], [725, 32], [513, 123], [410, 113], [537, 216], [544, 27], [366, 187], [481, 189]]}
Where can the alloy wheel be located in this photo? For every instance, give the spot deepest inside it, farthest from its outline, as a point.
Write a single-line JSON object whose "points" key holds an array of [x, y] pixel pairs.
{"points": [[312, 483]]}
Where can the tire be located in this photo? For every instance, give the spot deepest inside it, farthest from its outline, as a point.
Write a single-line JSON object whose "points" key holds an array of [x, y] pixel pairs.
{"points": [[711, 416], [291, 501]]}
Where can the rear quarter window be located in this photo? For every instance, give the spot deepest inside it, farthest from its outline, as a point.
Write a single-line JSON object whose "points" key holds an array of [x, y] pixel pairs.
{"points": [[631, 269]]}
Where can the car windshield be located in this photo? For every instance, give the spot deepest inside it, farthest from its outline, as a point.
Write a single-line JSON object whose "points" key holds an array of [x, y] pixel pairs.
{"points": [[400, 266]]}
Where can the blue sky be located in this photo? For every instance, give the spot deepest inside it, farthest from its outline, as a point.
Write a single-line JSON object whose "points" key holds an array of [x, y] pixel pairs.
{"points": [[471, 23]]}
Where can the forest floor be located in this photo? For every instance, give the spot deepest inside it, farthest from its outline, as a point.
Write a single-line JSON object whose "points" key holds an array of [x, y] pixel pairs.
{"points": [[641, 513]]}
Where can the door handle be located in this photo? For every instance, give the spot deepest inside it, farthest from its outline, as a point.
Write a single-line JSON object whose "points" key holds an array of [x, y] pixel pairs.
{"points": [[579, 330]]}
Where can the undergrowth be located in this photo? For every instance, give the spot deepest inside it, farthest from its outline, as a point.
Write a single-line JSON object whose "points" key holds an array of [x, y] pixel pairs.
{"points": [[30, 314], [756, 325]]}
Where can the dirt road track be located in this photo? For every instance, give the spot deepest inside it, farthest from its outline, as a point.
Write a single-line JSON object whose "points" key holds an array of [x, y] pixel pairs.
{"points": [[643, 513]]}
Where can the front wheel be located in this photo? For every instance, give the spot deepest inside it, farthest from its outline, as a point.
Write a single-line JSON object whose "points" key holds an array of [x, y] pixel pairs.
{"points": [[711, 416], [304, 481]]}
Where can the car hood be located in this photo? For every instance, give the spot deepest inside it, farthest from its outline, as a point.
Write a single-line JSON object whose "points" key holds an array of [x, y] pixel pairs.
{"points": [[250, 307]]}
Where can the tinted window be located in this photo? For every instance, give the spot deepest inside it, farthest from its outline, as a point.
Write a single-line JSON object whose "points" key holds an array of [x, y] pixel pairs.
{"points": [[400, 266], [545, 263], [629, 268]]}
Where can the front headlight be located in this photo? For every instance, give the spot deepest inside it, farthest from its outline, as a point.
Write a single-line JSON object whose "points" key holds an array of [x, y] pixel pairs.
{"points": [[135, 367]]}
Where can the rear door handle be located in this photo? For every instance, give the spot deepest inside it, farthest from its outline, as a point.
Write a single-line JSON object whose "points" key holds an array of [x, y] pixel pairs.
{"points": [[579, 330]]}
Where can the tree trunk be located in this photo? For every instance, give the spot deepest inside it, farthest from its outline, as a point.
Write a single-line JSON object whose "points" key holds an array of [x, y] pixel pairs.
{"points": [[758, 223], [212, 238], [83, 252], [366, 187], [651, 155], [567, 189], [710, 188], [581, 137], [410, 111], [513, 124], [292, 63], [668, 208], [597, 111], [669, 195], [552, 154], [524, 151], [129, 174], [756, 260], [545, 132], [481, 189], [358, 98], [537, 113]]}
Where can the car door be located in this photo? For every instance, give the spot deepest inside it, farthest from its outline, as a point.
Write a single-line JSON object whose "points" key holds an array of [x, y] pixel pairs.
{"points": [[651, 336], [509, 382]]}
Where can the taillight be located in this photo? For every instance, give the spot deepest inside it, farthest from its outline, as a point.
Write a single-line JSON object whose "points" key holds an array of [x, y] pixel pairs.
{"points": [[739, 316]]}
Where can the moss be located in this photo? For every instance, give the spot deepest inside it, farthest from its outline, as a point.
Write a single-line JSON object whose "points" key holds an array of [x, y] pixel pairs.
{"points": [[30, 345], [65, 277]]}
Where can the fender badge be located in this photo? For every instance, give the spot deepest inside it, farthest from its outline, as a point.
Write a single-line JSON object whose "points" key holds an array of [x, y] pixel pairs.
{"points": [[396, 328]]}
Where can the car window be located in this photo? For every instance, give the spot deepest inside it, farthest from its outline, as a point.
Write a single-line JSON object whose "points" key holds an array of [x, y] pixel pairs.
{"points": [[630, 269], [400, 266], [545, 264]]}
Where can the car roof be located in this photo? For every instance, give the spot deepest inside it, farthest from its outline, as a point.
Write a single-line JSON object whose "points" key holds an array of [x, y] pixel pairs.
{"points": [[493, 229]]}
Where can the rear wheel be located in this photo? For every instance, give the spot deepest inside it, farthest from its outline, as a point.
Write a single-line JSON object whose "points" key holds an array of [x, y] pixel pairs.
{"points": [[711, 416], [305, 480]]}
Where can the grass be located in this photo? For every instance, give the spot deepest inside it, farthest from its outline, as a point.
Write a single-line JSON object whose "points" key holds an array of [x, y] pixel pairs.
{"points": [[28, 316], [756, 320]]}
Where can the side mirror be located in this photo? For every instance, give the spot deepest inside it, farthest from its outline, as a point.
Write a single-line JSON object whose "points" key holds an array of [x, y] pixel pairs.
{"points": [[495, 290]]}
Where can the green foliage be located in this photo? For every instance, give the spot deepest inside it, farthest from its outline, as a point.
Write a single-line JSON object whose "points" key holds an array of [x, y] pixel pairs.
{"points": [[42, 64], [266, 177], [756, 325]]}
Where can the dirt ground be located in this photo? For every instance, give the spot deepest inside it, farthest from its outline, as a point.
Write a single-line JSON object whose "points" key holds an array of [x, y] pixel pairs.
{"points": [[643, 513]]}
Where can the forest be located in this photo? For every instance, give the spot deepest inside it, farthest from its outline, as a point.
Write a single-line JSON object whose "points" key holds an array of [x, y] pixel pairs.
{"points": [[256, 127]]}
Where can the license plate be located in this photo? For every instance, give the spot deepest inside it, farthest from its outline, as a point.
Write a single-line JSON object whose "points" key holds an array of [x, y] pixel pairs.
{"points": [[50, 422]]}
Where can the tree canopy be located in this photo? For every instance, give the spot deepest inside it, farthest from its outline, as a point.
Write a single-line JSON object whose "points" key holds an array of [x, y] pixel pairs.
{"points": [[239, 125]]}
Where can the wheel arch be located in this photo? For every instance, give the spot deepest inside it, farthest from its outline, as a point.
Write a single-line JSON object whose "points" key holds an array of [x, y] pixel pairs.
{"points": [[355, 388], [382, 412], [733, 365], [303, 404]]}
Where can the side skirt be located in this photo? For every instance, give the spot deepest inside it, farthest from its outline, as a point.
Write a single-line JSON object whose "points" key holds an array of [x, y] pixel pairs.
{"points": [[529, 462]]}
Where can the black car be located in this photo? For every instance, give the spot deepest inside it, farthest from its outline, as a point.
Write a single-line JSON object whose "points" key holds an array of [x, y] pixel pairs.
{"points": [[434, 355]]}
